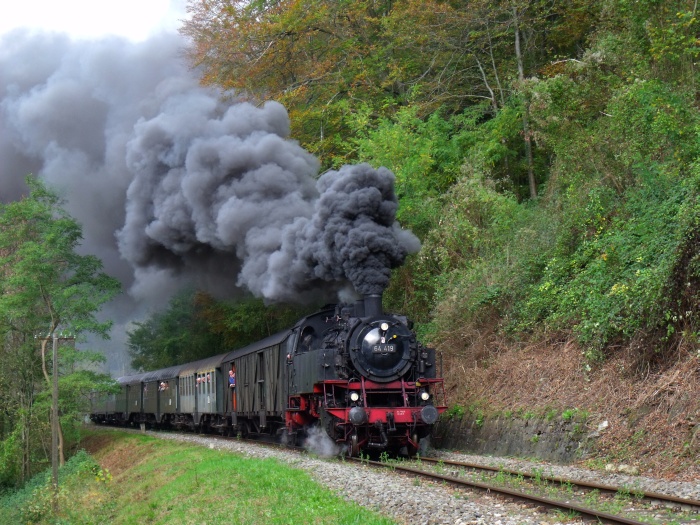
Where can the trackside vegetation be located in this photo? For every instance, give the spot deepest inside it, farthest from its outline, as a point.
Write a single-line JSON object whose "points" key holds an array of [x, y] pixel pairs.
{"points": [[131, 478]]}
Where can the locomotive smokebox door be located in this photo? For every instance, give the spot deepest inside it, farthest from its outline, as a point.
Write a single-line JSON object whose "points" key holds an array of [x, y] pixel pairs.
{"points": [[382, 351]]}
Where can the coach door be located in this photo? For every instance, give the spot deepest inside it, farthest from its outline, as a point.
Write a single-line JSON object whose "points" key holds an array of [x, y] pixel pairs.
{"points": [[218, 390], [261, 389]]}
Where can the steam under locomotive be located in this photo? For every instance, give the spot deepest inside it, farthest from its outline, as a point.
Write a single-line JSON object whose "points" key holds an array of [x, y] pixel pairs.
{"points": [[357, 372]]}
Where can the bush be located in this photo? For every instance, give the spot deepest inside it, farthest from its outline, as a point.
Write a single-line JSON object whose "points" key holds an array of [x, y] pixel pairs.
{"points": [[616, 283], [33, 502]]}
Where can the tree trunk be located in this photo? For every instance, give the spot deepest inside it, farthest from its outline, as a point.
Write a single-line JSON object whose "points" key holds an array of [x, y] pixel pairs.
{"points": [[25, 405], [44, 369], [526, 109]]}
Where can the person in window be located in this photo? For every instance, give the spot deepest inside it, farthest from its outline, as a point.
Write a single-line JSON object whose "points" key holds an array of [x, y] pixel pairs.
{"points": [[307, 336], [232, 386]]}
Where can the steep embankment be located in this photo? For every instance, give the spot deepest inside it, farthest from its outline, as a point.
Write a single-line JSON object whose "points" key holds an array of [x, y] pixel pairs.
{"points": [[545, 400]]}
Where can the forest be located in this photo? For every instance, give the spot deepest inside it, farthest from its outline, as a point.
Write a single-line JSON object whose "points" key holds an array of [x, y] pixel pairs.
{"points": [[545, 154]]}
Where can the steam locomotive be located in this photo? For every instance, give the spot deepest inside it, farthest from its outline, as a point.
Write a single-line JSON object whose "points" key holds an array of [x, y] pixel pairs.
{"points": [[352, 370]]}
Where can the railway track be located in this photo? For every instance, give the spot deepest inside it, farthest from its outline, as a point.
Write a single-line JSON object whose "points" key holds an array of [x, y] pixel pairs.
{"points": [[622, 505], [654, 497], [618, 505], [568, 497]]}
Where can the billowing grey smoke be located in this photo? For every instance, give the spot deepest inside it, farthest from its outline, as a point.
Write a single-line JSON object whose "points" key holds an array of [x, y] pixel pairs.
{"points": [[215, 184], [173, 186], [352, 236], [68, 109]]}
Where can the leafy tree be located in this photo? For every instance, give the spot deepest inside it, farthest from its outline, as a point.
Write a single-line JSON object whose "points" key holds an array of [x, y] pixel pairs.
{"points": [[309, 55], [325, 60], [195, 326], [175, 335], [46, 287]]}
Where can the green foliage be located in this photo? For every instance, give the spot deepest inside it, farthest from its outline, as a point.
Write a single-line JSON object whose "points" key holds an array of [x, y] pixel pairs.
{"points": [[569, 414], [479, 418], [653, 123], [46, 287], [50, 284], [10, 454], [488, 249], [172, 336], [604, 252], [423, 154], [616, 281], [446, 200], [195, 326], [612, 270], [455, 411], [174, 483], [32, 503]]}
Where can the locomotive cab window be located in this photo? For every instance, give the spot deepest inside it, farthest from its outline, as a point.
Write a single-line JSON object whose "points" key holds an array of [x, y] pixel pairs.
{"points": [[306, 339]]}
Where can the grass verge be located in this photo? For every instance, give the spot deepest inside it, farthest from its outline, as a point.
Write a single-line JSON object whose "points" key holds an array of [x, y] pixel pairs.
{"points": [[131, 478]]}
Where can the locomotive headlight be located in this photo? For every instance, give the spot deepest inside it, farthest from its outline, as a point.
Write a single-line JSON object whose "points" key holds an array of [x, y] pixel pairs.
{"points": [[384, 326], [354, 396], [424, 395]]}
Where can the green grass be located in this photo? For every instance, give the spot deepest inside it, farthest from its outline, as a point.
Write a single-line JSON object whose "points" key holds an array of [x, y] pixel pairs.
{"points": [[135, 479]]}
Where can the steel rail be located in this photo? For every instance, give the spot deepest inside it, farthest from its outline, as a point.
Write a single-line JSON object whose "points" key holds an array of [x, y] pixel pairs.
{"points": [[592, 513], [579, 483]]}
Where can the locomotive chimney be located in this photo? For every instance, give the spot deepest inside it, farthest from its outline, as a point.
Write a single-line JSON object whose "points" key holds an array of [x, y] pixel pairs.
{"points": [[373, 305], [360, 308]]}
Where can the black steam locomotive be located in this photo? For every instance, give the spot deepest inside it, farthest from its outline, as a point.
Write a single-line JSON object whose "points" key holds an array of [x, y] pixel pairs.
{"points": [[358, 373]]}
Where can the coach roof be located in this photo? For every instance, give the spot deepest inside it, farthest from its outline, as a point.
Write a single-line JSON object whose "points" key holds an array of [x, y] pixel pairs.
{"points": [[272, 340], [203, 365]]}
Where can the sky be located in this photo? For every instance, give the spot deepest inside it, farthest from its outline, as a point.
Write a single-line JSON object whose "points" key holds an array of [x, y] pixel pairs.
{"points": [[135, 20]]}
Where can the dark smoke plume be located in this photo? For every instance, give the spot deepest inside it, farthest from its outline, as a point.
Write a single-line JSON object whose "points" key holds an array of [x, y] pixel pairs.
{"points": [[174, 187], [224, 185], [351, 236]]}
